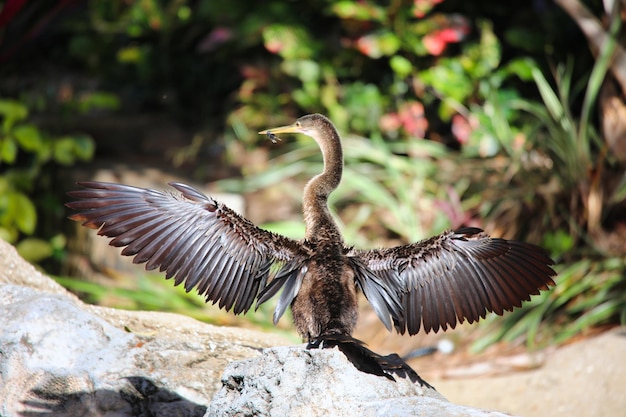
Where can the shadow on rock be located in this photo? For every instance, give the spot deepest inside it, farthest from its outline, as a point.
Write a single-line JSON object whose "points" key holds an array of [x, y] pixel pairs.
{"points": [[137, 397]]}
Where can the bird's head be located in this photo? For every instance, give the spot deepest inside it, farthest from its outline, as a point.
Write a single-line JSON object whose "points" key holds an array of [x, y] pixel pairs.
{"points": [[312, 125]]}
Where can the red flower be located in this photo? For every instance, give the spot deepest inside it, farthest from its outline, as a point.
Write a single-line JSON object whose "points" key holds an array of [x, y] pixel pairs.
{"points": [[457, 27], [410, 118]]}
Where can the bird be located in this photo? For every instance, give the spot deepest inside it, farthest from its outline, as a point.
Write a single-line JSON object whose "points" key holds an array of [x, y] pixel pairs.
{"points": [[456, 276]]}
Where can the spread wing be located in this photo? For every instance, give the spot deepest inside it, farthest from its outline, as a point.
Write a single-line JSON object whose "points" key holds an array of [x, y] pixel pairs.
{"points": [[456, 276], [194, 239]]}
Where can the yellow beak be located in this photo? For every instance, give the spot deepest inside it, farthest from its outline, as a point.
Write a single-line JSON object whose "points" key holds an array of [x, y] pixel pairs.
{"points": [[293, 128]]}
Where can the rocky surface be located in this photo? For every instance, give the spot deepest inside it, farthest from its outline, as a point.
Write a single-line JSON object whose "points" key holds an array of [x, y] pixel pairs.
{"points": [[293, 381], [61, 357]]}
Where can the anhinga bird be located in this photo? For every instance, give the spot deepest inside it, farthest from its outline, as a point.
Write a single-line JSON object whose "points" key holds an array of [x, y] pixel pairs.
{"points": [[432, 284]]}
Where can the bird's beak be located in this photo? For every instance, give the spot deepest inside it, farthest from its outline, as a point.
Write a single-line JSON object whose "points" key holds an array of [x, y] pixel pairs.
{"points": [[271, 133], [293, 128]]}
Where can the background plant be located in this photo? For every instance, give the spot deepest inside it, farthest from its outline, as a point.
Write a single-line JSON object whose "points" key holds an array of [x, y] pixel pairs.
{"points": [[27, 158]]}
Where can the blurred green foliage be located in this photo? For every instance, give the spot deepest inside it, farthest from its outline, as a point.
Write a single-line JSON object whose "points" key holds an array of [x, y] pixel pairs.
{"points": [[453, 113], [25, 151]]}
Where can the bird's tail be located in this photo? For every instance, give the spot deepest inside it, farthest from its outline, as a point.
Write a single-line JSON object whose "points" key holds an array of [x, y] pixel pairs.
{"points": [[366, 360]]}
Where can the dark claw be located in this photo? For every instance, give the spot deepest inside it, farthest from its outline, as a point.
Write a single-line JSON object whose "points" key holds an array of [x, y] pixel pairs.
{"points": [[315, 344]]}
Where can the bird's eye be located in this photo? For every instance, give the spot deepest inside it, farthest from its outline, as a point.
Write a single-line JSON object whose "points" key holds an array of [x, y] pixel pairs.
{"points": [[298, 124]]}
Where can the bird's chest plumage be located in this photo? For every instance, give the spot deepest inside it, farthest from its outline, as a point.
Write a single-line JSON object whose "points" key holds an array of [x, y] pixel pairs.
{"points": [[327, 301]]}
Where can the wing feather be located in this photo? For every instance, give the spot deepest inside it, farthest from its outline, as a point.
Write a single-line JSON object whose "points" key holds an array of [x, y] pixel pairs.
{"points": [[494, 294], [291, 288], [457, 276], [377, 290], [429, 300], [163, 254], [475, 301], [193, 239]]}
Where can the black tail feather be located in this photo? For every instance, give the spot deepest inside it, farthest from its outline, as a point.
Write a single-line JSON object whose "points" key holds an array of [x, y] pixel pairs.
{"points": [[366, 360]]}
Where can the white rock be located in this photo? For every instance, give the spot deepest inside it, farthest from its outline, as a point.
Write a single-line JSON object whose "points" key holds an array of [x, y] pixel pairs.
{"points": [[294, 381]]}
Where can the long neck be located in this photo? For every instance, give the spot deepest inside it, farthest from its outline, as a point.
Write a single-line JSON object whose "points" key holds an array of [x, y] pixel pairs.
{"points": [[317, 218]]}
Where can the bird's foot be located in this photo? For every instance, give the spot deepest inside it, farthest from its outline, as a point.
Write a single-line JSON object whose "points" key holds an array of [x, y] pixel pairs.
{"points": [[315, 344], [366, 360]]}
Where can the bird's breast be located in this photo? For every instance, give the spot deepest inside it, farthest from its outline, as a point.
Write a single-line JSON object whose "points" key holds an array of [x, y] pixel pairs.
{"points": [[327, 300]]}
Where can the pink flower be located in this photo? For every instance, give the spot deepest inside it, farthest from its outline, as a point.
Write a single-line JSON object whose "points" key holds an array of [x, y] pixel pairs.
{"points": [[389, 122], [434, 44], [274, 45], [368, 45], [410, 118], [461, 129], [413, 120]]}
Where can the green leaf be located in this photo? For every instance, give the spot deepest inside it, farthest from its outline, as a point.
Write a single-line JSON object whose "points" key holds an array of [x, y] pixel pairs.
{"points": [[559, 241], [8, 235], [28, 137], [449, 79], [23, 211], [84, 147], [482, 59], [400, 65], [522, 67], [380, 44], [129, 55], [550, 99], [304, 69], [34, 250], [64, 151], [358, 11], [389, 43], [4, 185], [290, 42], [98, 100], [12, 111], [8, 150]]}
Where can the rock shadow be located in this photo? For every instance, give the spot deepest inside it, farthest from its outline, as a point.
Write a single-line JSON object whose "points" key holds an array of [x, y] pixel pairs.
{"points": [[137, 397]]}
